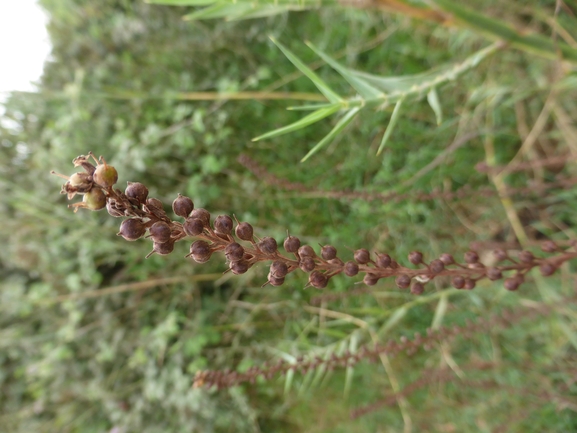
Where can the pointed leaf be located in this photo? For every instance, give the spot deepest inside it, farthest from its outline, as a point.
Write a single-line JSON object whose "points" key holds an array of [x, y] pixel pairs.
{"points": [[305, 121], [309, 107], [433, 100], [218, 10], [181, 2], [288, 380], [391, 125], [341, 124], [365, 89], [440, 311], [395, 318], [321, 85]]}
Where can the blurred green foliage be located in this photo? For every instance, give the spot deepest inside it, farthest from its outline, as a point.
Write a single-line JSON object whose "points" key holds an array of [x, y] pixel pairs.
{"points": [[117, 84]]}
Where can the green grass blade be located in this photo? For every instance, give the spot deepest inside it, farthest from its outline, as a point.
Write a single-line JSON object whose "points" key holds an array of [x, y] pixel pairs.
{"points": [[433, 100], [341, 124], [309, 107], [321, 85], [219, 10], [365, 89], [305, 121], [181, 2], [391, 125]]}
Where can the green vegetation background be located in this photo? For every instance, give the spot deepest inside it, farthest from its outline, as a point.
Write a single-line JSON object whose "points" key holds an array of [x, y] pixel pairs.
{"points": [[123, 362]]}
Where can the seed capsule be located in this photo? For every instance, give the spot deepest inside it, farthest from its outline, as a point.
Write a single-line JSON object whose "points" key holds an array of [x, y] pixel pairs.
{"points": [[136, 191], [161, 249], [417, 288], [275, 281], [458, 282], [362, 256], [351, 269], [328, 252], [526, 257], [267, 245], [105, 175], [547, 269], [403, 281], [132, 229], [201, 214], [160, 232], [94, 199], [234, 252], [182, 206], [436, 266], [500, 254], [447, 259], [513, 283], [318, 280], [383, 261], [244, 231], [193, 226], [494, 274], [370, 279], [113, 210], [292, 244], [278, 269], [239, 267], [307, 264], [548, 247], [471, 257], [223, 225], [416, 257], [306, 251], [469, 284]]}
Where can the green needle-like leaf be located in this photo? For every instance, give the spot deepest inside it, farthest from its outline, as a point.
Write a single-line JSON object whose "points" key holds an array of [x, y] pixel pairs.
{"points": [[305, 121], [391, 125], [181, 2], [433, 100], [321, 85], [341, 124]]}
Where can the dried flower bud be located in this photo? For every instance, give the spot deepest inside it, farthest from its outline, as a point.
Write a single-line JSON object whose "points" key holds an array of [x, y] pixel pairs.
{"points": [[500, 254], [416, 257], [113, 210], [132, 229], [370, 279], [182, 206], [362, 256], [292, 244], [193, 226], [494, 274], [513, 283], [526, 257], [201, 214], [105, 175], [159, 232], [403, 281], [458, 282], [383, 261], [447, 259], [318, 280], [307, 264], [161, 248], [351, 269], [223, 225], [267, 245], [306, 251], [437, 266], [275, 281], [234, 252], [244, 232], [328, 252], [278, 269], [417, 288], [239, 267], [547, 269], [549, 247], [471, 257], [137, 191], [469, 284]]}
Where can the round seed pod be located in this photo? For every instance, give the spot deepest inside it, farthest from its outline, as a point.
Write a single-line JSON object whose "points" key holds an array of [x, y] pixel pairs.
{"points": [[193, 226], [200, 248], [500, 254], [267, 245], [182, 206], [436, 266], [383, 261], [513, 283], [370, 279], [471, 257], [447, 259], [526, 257], [292, 244], [470, 284], [275, 281], [159, 232], [351, 269], [234, 252], [162, 249], [547, 269], [201, 214], [113, 210], [328, 252], [403, 281], [362, 256], [415, 257], [244, 232], [549, 247], [494, 274], [105, 175], [223, 225], [417, 288], [278, 269], [132, 229], [458, 282], [239, 267], [307, 264], [136, 191], [201, 259], [318, 280], [154, 203], [94, 199], [306, 251], [82, 181]]}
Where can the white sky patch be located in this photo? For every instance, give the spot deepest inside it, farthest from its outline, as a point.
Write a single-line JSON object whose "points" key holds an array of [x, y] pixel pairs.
{"points": [[24, 45]]}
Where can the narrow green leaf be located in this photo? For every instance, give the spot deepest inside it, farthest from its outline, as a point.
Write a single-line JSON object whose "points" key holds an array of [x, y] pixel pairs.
{"points": [[218, 10], [365, 89], [305, 121], [288, 381], [440, 311], [391, 125], [181, 2], [395, 318], [263, 11], [321, 85], [433, 100], [341, 124], [309, 107]]}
